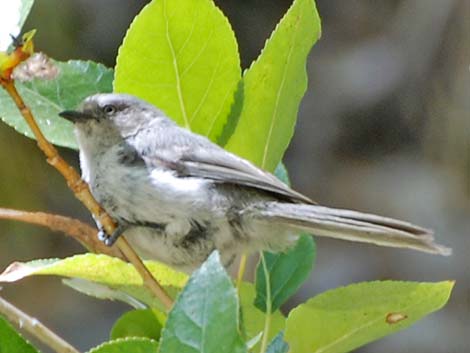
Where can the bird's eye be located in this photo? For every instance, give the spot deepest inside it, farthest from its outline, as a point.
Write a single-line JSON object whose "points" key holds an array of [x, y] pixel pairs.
{"points": [[109, 109]]}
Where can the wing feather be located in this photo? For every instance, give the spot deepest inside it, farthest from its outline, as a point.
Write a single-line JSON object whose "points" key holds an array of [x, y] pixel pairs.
{"points": [[192, 155]]}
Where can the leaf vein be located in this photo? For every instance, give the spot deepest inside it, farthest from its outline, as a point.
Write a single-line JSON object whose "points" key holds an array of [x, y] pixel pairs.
{"points": [[175, 68], [206, 92], [278, 96]]}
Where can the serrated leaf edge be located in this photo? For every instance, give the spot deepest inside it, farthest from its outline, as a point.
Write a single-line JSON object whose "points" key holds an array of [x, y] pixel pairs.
{"points": [[124, 339]]}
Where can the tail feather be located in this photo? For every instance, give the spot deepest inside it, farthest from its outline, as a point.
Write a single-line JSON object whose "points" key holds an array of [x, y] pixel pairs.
{"points": [[350, 225]]}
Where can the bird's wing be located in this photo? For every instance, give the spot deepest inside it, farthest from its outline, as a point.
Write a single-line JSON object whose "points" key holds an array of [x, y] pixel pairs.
{"points": [[228, 168], [198, 157]]}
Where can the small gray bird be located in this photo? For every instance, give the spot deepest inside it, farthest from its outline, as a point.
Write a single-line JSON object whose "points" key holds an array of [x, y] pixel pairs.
{"points": [[178, 196]]}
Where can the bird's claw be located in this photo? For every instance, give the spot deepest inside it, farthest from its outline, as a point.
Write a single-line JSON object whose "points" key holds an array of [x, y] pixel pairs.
{"points": [[102, 236], [110, 239]]}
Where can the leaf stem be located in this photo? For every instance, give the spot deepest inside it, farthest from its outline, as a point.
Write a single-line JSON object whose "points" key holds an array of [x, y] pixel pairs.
{"points": [[82, 193], [35, 328], [267, 320], [241, 270]]}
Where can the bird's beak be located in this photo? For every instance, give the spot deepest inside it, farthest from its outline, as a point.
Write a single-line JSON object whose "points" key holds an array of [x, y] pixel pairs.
{"points": [[75, 116]]}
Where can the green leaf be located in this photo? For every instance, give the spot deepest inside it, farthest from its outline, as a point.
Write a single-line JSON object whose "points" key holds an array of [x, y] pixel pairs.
{"points": [[127, 345], [253, 318], [182, 56], [46, 98], [205, 315], [281, 173], [343, 319], [102, 291], [287, 272], [11, 341], [139, 323], [278, 345], [101, 269], [273, 88]]}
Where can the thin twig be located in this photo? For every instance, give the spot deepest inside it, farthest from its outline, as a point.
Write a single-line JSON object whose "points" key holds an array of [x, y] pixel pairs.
{"points": [[80, 231], [35, 328], [82, 193]]}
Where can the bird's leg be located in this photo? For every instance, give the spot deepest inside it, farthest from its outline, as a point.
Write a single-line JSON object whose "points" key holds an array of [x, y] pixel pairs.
{"points": [[110, 239]]}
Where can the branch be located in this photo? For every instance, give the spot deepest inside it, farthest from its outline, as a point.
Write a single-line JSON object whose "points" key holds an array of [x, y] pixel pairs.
{"points": [[35, 328], [82, 193], [80, 231]]}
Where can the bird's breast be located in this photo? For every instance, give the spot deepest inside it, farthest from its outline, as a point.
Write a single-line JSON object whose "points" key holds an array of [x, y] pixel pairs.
{"points": [[142, 194]]}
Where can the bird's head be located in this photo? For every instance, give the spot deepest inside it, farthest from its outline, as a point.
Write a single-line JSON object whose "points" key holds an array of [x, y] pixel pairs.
{"points": [[108, 119]]}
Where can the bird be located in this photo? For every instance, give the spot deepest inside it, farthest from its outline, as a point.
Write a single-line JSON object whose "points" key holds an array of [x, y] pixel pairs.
{"points": [[177, 196]]}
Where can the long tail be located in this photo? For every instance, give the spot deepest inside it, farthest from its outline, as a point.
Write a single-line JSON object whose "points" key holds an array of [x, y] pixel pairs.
{"points": [[349, 225]]}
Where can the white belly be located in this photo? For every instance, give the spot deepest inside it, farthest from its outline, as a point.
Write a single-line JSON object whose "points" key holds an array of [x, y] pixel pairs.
{"points": [[143, 195]]}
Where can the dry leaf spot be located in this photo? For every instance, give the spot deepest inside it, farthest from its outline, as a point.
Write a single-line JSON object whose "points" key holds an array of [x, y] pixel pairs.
{"points": [[393, 318], [37, 66]]}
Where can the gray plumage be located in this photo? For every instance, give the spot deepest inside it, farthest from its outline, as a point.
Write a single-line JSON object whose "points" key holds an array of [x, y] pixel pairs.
{"points": [[179, 196]]}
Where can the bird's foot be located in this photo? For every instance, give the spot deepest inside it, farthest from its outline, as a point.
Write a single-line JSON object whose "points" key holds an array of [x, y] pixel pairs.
{"points": [[110, 239]]}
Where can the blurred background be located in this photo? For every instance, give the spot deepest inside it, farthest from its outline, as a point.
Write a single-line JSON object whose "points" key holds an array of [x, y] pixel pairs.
{"points": [[384, 127]]}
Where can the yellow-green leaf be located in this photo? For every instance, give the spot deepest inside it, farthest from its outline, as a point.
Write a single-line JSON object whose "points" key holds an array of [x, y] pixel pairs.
{"points": [[139, 323], [127, 345], [182, 56], [343, 319], [101, 269], [273, 87]]}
